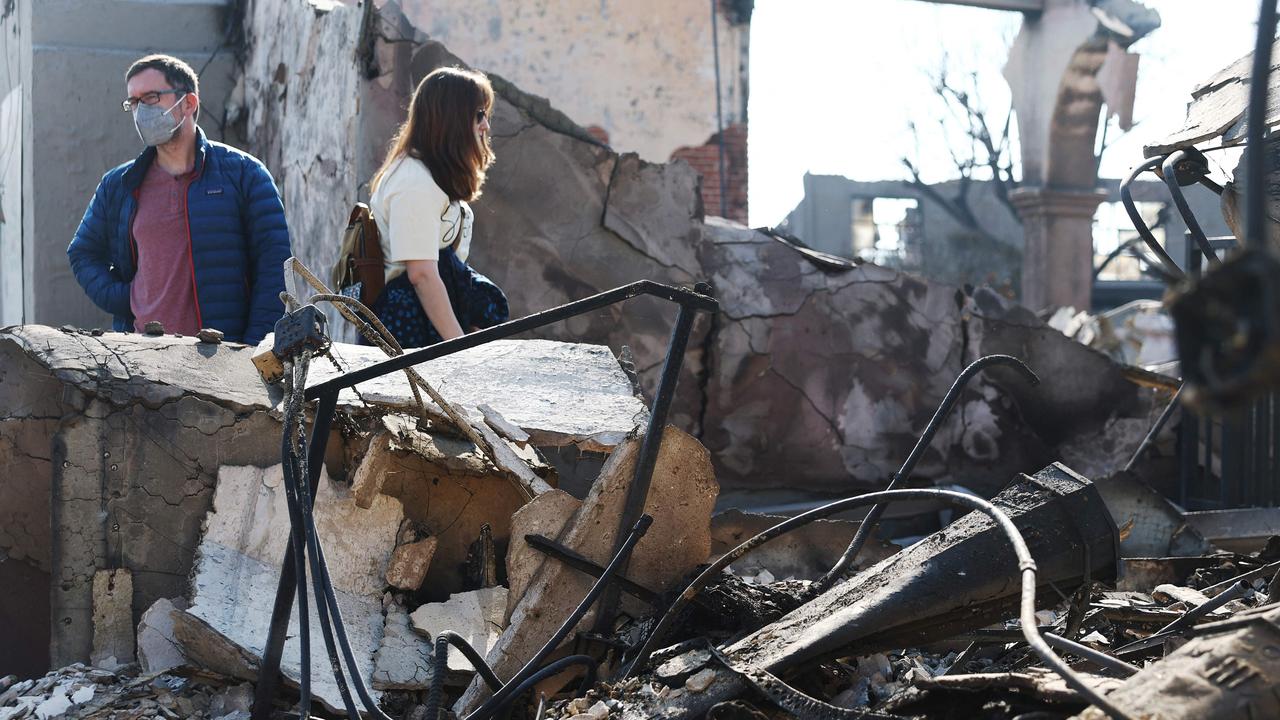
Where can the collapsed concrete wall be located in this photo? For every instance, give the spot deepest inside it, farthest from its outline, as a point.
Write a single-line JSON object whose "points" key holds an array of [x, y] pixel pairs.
{"points": [[111, 454], [811, 378]]}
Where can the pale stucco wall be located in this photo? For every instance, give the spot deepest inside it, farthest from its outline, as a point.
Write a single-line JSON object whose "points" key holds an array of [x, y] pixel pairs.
{"points": [[642, 71]]}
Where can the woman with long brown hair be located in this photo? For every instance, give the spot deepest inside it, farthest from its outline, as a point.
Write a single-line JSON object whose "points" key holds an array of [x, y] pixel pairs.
{"points": [[435, 165]]}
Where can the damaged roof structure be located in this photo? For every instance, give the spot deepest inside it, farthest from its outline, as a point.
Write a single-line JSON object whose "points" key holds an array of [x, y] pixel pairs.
{"points": [[560, 530]]}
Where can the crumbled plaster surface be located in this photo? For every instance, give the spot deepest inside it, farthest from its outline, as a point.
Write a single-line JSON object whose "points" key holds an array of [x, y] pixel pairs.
{"points": [[239, 566]]}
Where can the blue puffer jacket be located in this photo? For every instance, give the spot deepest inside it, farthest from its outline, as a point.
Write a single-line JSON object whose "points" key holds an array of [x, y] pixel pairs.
{"points": [[239, 241]]}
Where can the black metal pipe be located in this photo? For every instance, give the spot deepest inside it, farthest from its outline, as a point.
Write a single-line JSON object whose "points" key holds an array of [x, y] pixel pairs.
{"points": [[676, 295], [1126, 198], [1170, 171], [1095, 656], [324, 588], [579, 562], [297, 548], [290, 570], [298, 475], [495, 703], [909, 465], [552, 669], [638, 492], [1155, 429], [1255, 163]]}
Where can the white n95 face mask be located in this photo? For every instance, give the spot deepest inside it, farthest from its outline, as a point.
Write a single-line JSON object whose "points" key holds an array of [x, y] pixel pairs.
{"points": [[156, 126]]}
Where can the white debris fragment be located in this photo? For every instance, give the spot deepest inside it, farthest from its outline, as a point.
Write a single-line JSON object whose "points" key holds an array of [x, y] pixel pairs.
{"points": [[700, 681], [83, 695]]}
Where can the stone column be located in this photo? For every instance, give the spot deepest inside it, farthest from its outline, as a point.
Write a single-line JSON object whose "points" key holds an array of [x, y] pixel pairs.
{"points": [[1057, 260]]}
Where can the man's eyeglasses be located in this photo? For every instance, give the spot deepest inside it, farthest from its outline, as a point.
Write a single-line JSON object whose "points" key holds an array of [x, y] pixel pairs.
{"points": [[150, 98]]}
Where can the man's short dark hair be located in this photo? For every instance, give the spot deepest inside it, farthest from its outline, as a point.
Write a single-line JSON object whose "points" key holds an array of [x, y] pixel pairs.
{"points": [[178, 74]]}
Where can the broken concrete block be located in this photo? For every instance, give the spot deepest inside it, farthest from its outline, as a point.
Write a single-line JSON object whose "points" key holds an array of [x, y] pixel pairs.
{"points": [[158, 651], [234, 699], [681, 497], [475, 616], [450, 492], [404, 660], [506, 458], [239, 566], [409, 564], [112, 618], [372, 471], [545, 515]]}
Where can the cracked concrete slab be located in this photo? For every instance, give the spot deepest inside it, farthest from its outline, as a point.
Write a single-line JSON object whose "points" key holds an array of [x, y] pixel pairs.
{"points": [[559, 393], [476, 616], [545, 515], [239, 566], [158, 650]]}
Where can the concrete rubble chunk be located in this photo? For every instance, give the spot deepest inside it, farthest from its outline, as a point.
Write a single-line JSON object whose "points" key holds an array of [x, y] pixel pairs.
{"points": [[475, 616], [234, 699], [239, 565], [113, 638], [450, 492], [372, 471], [404, 660], [681, 497], [158, 651], [409, 563], [545, 515], [502, 425], [506, 458]]}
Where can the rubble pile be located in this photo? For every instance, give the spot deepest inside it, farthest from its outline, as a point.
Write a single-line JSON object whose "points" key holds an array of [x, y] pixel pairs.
{"points": [[79, 692]]}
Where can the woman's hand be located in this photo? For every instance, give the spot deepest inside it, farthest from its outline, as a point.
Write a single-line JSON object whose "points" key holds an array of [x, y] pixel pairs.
{"points": [[424, 275]]}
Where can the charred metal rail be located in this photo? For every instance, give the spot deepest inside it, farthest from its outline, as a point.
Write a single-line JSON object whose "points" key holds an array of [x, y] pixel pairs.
{"points": [[909, 465], [517, 684], [690, 302], [577, 561]]}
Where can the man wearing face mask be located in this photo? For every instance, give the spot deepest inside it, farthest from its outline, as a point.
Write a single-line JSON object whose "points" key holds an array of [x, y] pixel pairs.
{"points": [[192, 232]]}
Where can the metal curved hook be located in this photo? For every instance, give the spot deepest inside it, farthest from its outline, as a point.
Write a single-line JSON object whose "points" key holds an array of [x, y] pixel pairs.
{"points": [[1179, 160], [1126, 197]]}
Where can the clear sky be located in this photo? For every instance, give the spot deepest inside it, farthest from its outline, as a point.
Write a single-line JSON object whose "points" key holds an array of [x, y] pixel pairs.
{"points": [[835, 83]]}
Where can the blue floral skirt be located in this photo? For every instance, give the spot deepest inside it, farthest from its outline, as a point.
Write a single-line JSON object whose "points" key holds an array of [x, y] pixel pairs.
{"points": [[477, 303]]}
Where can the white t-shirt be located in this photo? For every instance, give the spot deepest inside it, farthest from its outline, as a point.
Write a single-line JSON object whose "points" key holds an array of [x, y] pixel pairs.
{"points": [[415, 218]]}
